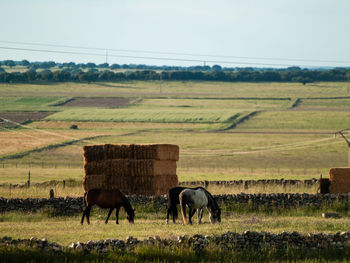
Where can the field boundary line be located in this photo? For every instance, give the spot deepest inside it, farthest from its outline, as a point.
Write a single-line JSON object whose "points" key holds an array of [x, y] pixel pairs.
{"points": [[238, 120]]}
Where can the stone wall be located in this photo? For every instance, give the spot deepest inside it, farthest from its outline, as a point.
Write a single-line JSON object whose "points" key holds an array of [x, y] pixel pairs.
{"points": [[73, 205], [227, 241], [248, 183]]}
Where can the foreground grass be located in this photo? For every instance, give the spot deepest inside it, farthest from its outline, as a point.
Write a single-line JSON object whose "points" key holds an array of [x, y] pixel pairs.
{"points": [[65, 230], [157, 254]]}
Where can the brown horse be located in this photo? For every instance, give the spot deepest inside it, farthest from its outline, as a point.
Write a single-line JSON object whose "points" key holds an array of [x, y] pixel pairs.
{"points": [[107, 199]]}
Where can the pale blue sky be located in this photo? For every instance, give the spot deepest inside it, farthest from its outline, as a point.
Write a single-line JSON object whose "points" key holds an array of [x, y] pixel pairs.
{"points": [[299, 29]]}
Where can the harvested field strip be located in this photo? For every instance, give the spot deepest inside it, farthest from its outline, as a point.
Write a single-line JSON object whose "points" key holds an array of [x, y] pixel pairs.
{"points": [[47, 147], [325, 103], [296, 120], [13, 141], [125, 126], [20, 117], [182, 115], [198, 89], [97, 102], [214, 103]]}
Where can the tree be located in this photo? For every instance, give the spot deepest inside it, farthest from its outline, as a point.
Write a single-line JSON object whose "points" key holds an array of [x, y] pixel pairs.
{"points": [[25, 63], [115, 66], [9, 63], [216, 68], [90, 65], [103, 65], [303, 80]]}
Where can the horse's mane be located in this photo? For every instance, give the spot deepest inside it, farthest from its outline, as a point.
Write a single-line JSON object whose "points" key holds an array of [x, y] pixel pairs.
{"points": [[211, 199]]}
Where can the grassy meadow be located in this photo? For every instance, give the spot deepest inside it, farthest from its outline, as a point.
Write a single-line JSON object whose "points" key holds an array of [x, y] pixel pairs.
{"points": [[210, 121], [62, 229], [226, 131]]}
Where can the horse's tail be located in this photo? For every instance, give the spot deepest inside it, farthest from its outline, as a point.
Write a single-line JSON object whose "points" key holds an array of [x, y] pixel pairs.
{"points": [[172, 205], [183, 208]]}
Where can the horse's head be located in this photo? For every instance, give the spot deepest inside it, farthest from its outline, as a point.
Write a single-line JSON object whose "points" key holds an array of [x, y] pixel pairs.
{"points": [[130, 216], [215, 216]]}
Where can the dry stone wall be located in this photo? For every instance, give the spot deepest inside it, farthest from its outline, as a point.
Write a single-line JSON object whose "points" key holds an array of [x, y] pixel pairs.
{"points": [[227, 241], [74, 205]]}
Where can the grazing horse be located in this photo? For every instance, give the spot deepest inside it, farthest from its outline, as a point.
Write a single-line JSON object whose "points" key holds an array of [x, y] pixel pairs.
{"points": [[173, 201], [107, 199], [198, 199]]}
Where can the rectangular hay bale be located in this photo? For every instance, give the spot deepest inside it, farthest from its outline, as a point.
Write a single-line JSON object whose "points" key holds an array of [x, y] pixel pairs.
{"points": [[339, 180], [131, 151]]}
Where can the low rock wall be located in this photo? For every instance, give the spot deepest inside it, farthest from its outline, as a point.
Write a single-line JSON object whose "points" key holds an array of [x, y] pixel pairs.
{"points": [[226, 241], [74, 205], [248, 183]]}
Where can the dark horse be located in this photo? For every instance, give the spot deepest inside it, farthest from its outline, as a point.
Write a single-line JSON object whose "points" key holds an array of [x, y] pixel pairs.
{"points": [[107, 199], [197, 200], [173, 201]]}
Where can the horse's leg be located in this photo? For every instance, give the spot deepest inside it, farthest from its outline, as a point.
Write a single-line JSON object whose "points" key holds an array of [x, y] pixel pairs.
{"points": [[109, 214], [183, 211], [200, 215], [191, 213], [167, 214], [82, 218], [117, 214], [174, 211], [87, 213]]}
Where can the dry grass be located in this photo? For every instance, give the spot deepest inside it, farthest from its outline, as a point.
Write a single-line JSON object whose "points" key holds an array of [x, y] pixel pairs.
{"points": [[68, 229], [13, 175], [128, 126], [16, 141], [77, 190]]}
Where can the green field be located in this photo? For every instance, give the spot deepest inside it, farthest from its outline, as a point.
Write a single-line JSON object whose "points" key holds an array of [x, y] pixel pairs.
{"points": [[225, 130], [182, 115], [326, 121]]}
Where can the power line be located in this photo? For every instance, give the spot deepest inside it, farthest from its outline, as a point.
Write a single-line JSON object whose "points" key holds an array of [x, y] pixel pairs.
{"points": [[175, 53], [152, 58]]}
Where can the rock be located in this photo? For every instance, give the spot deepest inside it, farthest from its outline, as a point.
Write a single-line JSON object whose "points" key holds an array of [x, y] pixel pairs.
{"points": [[79, 247], [330, 215], [72, 245]]}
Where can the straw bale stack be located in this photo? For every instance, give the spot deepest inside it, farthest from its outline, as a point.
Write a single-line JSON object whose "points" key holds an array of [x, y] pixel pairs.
{"points": [[134, 169], [339, 180]]}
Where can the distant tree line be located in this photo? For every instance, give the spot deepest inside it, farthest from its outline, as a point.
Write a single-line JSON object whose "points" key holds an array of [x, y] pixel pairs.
{"points": [[90, 72]]}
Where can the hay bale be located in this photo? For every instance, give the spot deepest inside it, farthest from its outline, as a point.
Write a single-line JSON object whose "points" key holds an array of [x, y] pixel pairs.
{"points": [[130, 167], [131, 151], [93, 153], [339, 180], [133, 169]]}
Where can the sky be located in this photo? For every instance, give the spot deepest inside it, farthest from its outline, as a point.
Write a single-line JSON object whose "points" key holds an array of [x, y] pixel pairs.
{"points": [[268, 33]]}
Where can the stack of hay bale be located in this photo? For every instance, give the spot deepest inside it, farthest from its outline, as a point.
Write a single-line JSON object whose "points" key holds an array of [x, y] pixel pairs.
{"points": [[133, 169], [339, 180]]}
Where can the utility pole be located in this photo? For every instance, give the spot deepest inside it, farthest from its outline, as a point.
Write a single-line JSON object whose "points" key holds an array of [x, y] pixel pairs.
{"points": [[160, 82], [106, 55], [347, 141]]}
